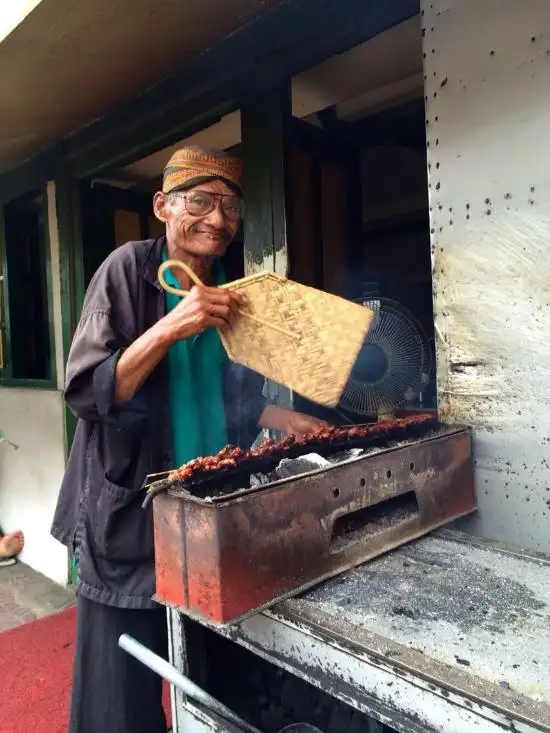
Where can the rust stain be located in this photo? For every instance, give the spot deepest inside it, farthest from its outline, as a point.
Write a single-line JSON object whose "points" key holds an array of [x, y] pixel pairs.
{"points": [[229, 558]]}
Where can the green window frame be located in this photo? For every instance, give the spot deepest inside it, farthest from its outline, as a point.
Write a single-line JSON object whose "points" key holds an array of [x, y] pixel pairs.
{"points": [[26, 303]]}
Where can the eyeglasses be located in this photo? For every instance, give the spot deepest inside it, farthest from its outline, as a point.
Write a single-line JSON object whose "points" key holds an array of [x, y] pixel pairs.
{"points": [[201, 203]]}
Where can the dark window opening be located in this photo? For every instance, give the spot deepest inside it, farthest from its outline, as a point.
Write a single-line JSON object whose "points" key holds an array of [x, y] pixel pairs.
{"points": [[111, 217], [26, 260], [358, 226], [266, 695]]}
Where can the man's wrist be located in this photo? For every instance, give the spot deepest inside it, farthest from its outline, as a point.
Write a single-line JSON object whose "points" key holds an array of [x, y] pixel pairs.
{"points": [[163, 334]]}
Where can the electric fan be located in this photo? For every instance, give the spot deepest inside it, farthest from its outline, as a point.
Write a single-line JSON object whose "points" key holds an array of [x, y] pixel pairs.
{"points": [[394, 364]]}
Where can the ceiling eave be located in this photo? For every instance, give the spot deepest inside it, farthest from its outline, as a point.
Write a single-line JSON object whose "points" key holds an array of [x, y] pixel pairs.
{"points": [[66, 64], [259, 50]]}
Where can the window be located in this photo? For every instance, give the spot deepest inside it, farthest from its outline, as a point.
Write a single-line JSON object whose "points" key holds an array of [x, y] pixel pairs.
{"points": [[26, 353]]}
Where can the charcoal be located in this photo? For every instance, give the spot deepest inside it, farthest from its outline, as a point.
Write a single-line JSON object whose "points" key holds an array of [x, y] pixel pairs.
{"points": [[259, 479], [295, 466]]}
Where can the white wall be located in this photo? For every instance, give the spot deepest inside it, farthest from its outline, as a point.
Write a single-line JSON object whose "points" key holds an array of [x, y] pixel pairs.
{"points": [[30, 477], [34, 419], [487, 77]]}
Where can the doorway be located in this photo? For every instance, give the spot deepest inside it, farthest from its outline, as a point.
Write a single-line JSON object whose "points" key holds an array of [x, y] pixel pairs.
{"points": [[358, 215], [112, 216]]}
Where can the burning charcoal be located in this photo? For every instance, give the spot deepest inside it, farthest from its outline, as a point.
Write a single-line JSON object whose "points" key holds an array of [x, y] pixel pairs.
{"points": [[316, 459], [258, 479], [345, 455], [295, 466]]}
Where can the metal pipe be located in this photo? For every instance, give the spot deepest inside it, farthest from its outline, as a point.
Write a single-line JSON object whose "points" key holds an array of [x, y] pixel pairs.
{"points": [[170, 674]]}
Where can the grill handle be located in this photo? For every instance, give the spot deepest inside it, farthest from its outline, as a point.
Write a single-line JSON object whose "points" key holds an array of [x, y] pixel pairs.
{"points": [[165, 670]]}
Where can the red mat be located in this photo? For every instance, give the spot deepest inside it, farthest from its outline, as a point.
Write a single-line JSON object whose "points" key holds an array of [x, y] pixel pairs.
{"points": [[36, 681]]}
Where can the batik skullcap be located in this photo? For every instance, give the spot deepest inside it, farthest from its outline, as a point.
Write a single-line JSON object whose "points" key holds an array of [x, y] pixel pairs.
{"points": [[192, 165]]}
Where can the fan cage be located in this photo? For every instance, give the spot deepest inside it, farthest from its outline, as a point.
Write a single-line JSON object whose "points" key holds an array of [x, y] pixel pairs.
{"points": [[397, 334]]}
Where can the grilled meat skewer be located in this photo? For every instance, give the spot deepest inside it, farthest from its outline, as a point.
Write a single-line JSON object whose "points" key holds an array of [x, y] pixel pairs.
{"points": [[230, 457]]}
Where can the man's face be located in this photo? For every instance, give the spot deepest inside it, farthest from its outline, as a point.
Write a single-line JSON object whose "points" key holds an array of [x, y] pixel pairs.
{"points": [[201, 221]]}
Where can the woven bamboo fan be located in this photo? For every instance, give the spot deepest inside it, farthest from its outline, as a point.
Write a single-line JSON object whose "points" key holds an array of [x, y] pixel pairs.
{"points": [[300, 337]]}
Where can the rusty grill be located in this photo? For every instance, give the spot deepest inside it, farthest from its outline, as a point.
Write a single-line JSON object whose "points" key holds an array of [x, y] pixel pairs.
{"points": [[232, 542]]}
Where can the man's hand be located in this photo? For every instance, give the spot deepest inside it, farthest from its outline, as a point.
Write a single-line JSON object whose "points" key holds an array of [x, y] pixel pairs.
{"points": [[288, 421], [203, 308]]}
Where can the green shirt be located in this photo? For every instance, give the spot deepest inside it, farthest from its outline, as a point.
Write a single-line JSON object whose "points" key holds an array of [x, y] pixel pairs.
{"points": [[196, 369]]}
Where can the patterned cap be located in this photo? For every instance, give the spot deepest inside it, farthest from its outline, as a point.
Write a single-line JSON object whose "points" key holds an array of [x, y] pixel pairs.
{"points": [[190, 166]]}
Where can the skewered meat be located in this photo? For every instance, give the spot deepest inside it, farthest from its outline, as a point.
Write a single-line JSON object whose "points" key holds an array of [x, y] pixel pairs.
{"points": [[231, 457]]}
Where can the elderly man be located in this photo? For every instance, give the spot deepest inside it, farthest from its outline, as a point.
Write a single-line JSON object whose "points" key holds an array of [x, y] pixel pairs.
{"points": [[150, 382]]}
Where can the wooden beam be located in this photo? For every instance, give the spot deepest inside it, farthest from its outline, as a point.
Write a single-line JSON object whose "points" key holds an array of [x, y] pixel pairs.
{"points": [[34, 174], [150, 134], [67, 195], [265, 117]]}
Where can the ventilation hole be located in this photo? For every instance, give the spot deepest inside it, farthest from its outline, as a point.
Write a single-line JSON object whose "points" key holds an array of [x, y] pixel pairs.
{"points": [[412, 466], [362, 483], [372, 520], [388, 474], [336, 492]]}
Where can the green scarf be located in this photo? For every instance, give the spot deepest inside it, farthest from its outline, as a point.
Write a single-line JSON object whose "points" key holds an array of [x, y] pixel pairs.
{"points": [[196, 369]]}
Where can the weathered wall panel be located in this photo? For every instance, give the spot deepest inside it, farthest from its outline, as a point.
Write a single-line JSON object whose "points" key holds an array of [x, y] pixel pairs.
{"points": [[487, 81], [30, 477]]}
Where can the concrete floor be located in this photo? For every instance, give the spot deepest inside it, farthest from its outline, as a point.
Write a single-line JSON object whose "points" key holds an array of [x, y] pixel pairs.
{"points": [[26, 595]]}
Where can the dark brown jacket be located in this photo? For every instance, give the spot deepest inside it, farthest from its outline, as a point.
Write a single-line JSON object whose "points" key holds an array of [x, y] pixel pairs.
{"points": [[99, 515]]}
